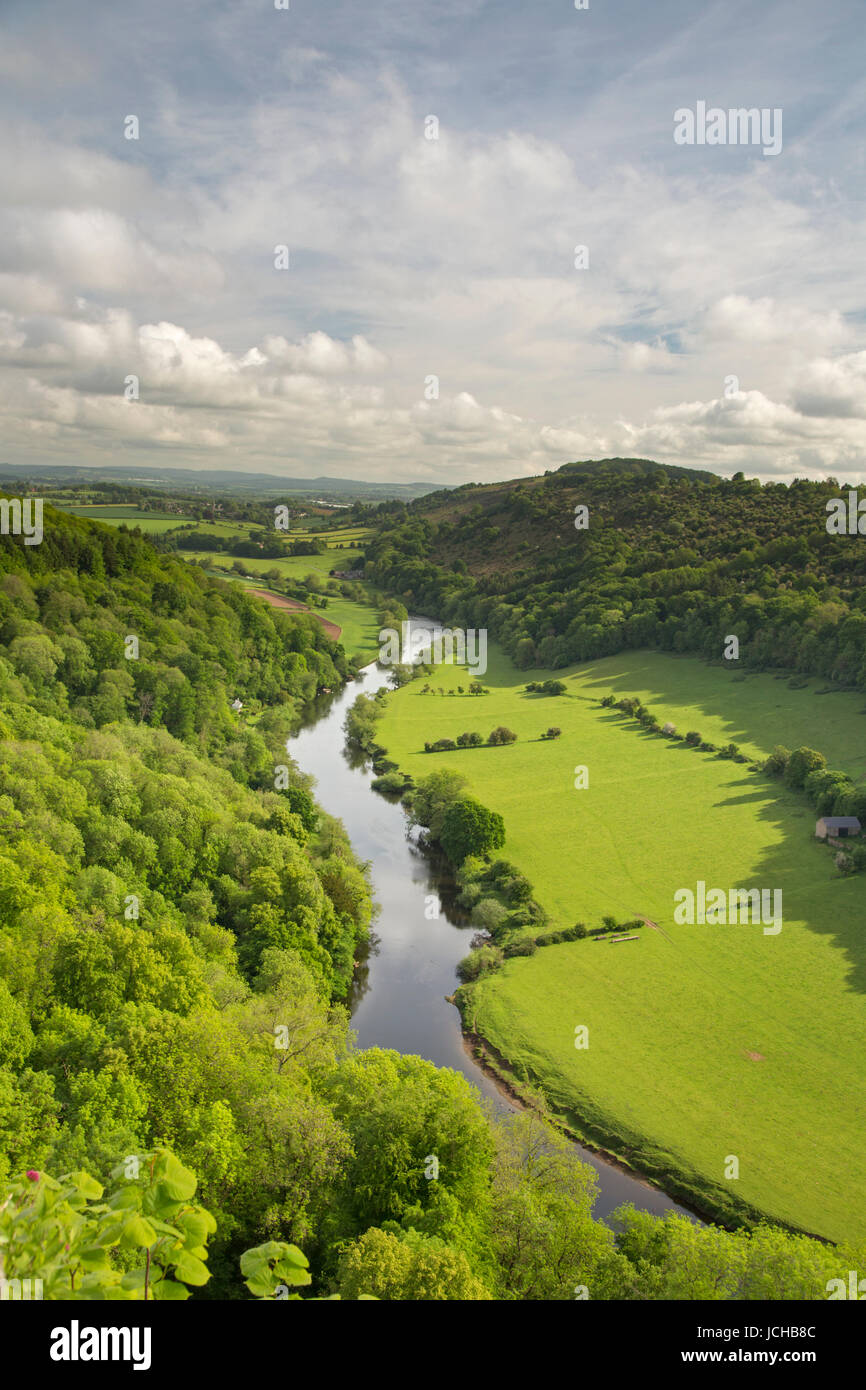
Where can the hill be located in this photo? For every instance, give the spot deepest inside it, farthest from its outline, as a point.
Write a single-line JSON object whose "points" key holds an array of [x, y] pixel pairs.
{"points": [[603, 557]]}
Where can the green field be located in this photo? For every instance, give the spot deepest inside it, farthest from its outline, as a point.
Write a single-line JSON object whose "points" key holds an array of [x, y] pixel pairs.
{"points": [[294, 567], [705, 1041], [116, 514]]}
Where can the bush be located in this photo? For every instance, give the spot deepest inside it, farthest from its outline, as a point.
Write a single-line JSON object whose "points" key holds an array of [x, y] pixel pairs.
{"points": [[520, 948], [442, 745], [390, 782], [480, 963], [489, 915], [517, 890], [469, 740], [693, 738], [501, 735], [800, 763], [777, 761], [552, 732]]}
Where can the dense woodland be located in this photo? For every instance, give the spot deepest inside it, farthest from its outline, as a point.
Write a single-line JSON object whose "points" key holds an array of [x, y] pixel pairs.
{"points": [[669, 558], [177, 936]]}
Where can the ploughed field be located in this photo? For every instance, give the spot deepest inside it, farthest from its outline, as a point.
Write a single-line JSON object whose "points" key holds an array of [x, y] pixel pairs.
{"points": [[707, 1043]]}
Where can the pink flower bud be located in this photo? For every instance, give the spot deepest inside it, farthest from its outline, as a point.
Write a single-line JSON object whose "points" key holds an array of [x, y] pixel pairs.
{"points": [[32, 1175]]}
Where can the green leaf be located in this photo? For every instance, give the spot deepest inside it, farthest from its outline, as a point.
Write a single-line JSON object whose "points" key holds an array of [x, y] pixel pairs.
{"points": [[190, 1269], [137, 1231], [87, 1186], [198, 1224], [167, 1291], [126, 1197], [178, 1182], [262, 1285]]}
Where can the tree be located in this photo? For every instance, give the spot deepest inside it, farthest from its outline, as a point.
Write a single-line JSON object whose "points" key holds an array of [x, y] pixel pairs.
{"points": [[468, 827], [501, 735], [404, 1265], [801, 762]]}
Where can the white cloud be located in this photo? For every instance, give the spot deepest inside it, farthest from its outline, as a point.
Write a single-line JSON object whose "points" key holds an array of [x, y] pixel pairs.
{"points": [[413, 257]]}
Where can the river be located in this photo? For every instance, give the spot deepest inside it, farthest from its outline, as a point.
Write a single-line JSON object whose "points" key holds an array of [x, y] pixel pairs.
{"points": [[400, 994]]}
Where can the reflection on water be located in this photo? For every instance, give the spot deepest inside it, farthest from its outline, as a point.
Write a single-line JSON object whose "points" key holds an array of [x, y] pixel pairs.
{"points": [[399, 999]]}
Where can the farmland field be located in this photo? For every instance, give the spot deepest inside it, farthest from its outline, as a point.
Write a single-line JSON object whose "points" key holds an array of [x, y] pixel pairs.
{"points": [[293, 567], [706, 1043], [117, 514]]}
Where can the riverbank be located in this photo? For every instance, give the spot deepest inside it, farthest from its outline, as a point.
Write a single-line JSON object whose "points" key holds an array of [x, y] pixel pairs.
{"points": [[420, 933], [710, 1069]]}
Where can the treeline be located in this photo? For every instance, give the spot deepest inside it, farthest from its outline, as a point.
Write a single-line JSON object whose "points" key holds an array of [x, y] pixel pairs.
{"points": [[262, 546], [668, 559]]}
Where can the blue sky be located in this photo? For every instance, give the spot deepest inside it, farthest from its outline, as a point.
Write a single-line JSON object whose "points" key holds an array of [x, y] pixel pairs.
{"points": [[719, 322]]}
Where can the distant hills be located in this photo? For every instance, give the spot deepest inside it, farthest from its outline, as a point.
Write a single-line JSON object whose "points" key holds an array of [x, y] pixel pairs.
{"points": [[211, 480]]}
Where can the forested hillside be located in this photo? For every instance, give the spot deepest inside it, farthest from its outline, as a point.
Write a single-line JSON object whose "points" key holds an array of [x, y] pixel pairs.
{"points": [[162, 907], [177, 935], [664, 557]]}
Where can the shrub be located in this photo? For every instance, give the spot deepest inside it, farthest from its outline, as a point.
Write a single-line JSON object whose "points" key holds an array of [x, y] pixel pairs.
{"points": [[501, 735], [517, 890], [777, 761], [520, 948], [469, 740], [489, 914], [390, 782], [800, 763], [693, 738], [480, 962]]}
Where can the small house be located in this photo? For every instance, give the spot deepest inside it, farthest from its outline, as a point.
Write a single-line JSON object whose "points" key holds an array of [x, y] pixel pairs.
{"points": [[237, 704], [837, 827]]}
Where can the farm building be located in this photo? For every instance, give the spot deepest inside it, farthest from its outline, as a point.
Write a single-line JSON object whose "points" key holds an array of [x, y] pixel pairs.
{"points": [[837, 827]]}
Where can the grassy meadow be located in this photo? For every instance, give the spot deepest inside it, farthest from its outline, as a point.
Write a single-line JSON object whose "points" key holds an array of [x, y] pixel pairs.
{"points": [[705, 1042], [119, 514], [292, 567]]}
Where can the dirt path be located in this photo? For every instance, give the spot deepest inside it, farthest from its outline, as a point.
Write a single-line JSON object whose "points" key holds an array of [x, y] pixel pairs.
{"points": [[655, 926], [277, 601]]}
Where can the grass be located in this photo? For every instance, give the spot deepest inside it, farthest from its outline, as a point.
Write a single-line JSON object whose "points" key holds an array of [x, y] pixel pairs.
{"points": [[705, 1041], [294, 567], [115, 514]]}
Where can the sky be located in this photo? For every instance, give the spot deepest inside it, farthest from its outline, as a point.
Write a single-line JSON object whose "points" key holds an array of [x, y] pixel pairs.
{"points": [[346, 240]]}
